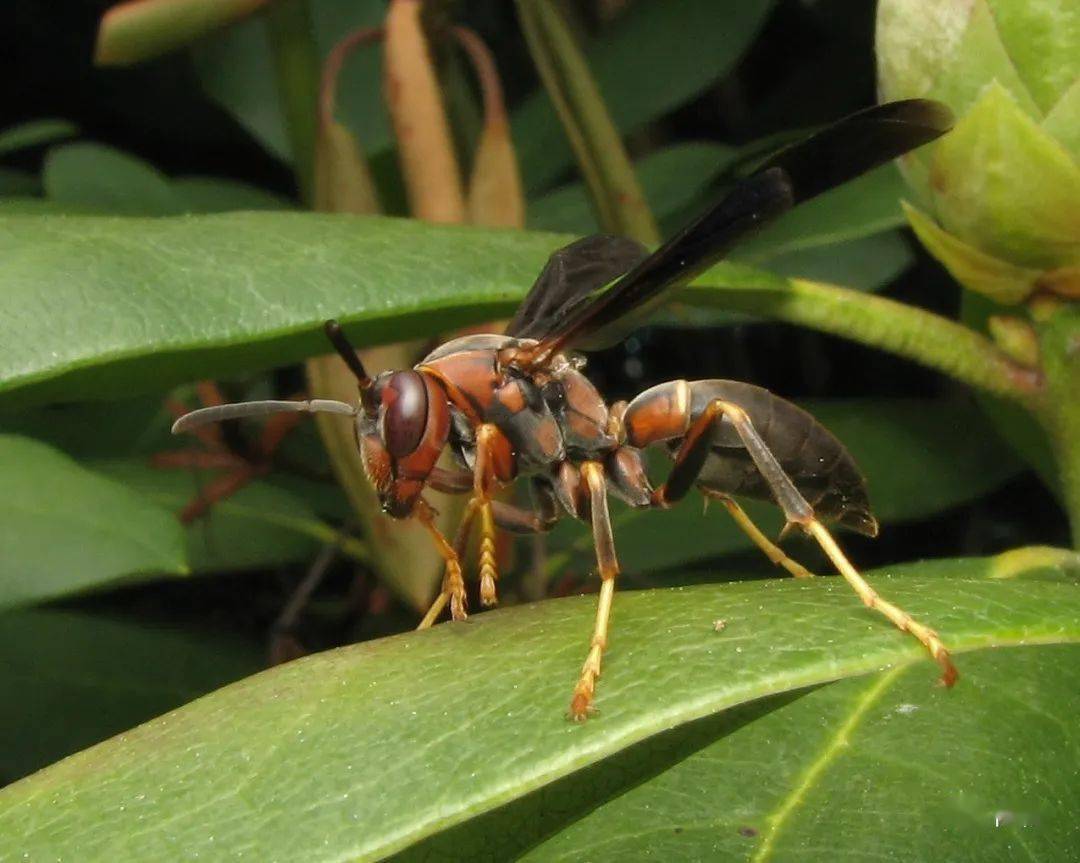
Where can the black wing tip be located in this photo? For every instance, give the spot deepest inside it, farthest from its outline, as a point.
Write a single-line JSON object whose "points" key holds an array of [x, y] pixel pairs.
{"points": [[935, 117]]}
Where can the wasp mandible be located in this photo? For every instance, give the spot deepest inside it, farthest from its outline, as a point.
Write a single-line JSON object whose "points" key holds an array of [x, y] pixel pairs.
{"points": [[518, 405]]}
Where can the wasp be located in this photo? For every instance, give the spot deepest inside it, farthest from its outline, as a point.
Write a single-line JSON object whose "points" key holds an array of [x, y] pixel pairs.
{"points": [[518, 405]]}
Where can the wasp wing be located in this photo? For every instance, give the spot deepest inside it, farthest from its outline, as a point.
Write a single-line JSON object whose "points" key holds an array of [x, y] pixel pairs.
{"points": [[569, 279], [838, 153]]}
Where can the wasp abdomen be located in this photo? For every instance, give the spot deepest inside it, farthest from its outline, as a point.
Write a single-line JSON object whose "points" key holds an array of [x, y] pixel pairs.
{"points": [[819, 465]]}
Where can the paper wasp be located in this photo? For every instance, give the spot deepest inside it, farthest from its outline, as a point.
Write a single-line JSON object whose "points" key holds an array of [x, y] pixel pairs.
{"points": [[518, 405]]}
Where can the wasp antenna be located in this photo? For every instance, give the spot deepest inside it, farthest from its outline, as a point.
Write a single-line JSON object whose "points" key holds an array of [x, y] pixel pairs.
{"points": [[217, 413], [347, 352]]}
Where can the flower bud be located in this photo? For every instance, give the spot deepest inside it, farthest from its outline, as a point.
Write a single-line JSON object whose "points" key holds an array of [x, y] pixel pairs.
{"points": [[1000, 193]]}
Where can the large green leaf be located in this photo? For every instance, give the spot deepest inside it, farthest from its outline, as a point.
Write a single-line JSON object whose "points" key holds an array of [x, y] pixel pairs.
{"points": [[865, 769], [64, 528], [363, 751], [70, 679], [157, 301], [919, 457]]}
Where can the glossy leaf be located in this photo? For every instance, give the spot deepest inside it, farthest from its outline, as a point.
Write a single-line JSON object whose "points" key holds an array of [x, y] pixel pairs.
{"points": [[65, 529], [919, 457], [360, 752], [160, 301], [72, 678], [203, 297], [842, 772]]}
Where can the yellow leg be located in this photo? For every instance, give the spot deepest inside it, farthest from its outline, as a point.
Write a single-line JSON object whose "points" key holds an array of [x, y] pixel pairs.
{"points": [[900, 618], [798, 512], [453, 587], [581, 705], [771, 550], [489, 572]]}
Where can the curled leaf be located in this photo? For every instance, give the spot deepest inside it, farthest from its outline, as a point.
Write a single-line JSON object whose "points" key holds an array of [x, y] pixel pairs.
{"points": [[976, 270]]}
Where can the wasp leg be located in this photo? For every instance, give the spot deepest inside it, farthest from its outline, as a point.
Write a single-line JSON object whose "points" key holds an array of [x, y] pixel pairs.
{"points": [[798, 512], [581, 705], [770, 549], [453, 589], [870, 597], [513, 518], [483, 478]]}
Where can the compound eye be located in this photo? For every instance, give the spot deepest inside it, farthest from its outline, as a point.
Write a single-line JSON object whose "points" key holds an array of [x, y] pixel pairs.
{"points": [[404, 413]]}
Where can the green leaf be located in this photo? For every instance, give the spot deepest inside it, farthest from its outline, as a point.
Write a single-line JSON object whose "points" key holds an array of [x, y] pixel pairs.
{"points": [[919, 457], [261, 525], [652, 60], [107, 180], [853, 768], [864, 264], [160, 301], [846, 236], [70, 679], [94, 175], [672, 179], [220, 195], [364, 751], [125, 427], [34, 134], [64, 528], [866, 206], [977, 271]]}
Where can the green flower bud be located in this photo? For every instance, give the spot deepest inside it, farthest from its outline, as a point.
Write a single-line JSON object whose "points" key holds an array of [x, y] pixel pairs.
{"points": [[1001, 191]]}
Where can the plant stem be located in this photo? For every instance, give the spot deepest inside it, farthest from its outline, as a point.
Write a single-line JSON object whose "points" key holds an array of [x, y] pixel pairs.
{"points": [[296, 63], [1060, 413], [609, 176], [904, 330]]}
